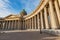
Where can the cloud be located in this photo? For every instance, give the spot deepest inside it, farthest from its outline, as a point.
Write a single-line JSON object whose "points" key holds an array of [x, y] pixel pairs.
{"points": [[30, 5], [15, 6], [4, 8]]}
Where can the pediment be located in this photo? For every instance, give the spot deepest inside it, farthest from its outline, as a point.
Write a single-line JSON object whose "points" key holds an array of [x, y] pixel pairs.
{"points": [[12, 16]]}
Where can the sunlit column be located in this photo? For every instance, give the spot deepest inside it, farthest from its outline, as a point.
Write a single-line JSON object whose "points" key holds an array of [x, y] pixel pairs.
{"points": [[6, 25], [46, 18], [15, 24], [57, 10], [38, 21], [53, 18], [41, 19], [12, 25], [3, 25], [32, 22], [25, 24], [9, 25], [28, 23], [59, 2], [35, 22], [19, 25]]}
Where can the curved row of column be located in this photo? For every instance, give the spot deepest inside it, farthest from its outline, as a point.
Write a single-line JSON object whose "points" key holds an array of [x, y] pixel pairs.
{"points": [[47, 18], [10, 25]]}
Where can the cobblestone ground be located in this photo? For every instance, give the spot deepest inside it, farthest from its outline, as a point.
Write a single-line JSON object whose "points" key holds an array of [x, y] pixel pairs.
{"points": [[27, 36]]}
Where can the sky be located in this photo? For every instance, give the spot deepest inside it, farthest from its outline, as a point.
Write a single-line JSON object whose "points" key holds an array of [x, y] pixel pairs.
{"points": [[8, 7]]}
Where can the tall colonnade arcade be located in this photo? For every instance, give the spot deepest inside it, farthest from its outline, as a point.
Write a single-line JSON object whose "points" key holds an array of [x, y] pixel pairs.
{"points": [[46, 16]]}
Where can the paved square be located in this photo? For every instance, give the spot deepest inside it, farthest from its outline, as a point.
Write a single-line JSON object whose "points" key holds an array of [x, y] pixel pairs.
{"points": [[27, 36]]}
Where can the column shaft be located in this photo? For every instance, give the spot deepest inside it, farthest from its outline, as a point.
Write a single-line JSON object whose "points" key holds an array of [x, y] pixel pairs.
{"points": [[32, 22], [59, 2], [38, 21], [57, 10], [41, 18], [46, 18], [35, 22], [53, 17]]}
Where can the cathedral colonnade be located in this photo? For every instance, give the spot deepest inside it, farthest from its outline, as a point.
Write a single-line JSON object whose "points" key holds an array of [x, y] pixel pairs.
{"points": [[46, 16]]}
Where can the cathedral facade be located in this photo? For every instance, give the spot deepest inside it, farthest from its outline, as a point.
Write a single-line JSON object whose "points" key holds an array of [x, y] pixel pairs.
{"points": [[45, 16]]}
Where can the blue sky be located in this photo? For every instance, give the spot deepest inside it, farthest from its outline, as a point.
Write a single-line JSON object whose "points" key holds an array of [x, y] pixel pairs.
{"points": [[16, 6]]}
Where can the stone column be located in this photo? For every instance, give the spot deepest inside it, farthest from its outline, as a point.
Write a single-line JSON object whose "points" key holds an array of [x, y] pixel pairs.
{"points": [[35, 21], [25, 24], [6, 25], [15, 24], [41, 19], [59, 2], [46, 18], [38, 21], [32, 22], [3, 25], [28, 23], [54, 23], [57, 10], [0, 25], [20, 24], [9, 25]]}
